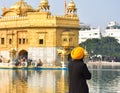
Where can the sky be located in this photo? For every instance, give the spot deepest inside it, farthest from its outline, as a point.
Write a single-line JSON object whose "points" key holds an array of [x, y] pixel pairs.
{"points": [[96, 13]]}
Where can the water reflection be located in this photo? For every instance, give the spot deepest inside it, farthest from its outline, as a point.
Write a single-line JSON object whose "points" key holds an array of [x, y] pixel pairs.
{"points": [[105, 79], [33, 81]]}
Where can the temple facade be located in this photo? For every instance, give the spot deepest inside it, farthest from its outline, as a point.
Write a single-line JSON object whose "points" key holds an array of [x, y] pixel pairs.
{"points": [[36, 33]]}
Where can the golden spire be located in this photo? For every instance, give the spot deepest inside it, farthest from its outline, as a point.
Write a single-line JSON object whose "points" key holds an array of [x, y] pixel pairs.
{"points": [[65, 7]]}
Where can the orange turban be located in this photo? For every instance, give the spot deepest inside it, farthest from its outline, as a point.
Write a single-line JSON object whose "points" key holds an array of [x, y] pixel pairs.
{"points": [[77, 53]]}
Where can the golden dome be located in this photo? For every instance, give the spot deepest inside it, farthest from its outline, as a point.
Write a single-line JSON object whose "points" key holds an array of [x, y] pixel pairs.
{"points": [[19, 8], [71, 5], [71, 9], [44, 3], [22, 5]]}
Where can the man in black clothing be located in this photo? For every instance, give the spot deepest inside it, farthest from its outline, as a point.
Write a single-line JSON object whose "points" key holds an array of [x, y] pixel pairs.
{"points": [[78, 72]]}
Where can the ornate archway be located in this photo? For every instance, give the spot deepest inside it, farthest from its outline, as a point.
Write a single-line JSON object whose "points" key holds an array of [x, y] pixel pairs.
{"points": [[23, 53]]}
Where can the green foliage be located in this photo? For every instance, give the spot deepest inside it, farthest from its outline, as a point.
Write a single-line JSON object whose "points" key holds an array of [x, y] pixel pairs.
{"points": [[107, 46]]}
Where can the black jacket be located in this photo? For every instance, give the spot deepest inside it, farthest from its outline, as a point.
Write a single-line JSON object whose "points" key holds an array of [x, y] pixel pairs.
{"points": [[78, 74]]}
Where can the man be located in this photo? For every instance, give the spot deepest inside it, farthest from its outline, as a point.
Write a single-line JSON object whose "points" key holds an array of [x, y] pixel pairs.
{"points": [[78, 72]]}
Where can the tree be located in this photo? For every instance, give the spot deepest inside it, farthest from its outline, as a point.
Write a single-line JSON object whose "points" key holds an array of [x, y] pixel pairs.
{"points": [[106, 46]]}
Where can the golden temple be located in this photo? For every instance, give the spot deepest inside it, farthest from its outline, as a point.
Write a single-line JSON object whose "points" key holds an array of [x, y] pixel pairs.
{"points": [[36, 33]]}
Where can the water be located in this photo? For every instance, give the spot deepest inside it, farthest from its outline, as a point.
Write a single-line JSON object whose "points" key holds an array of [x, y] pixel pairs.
{"points": [[105, 79]]}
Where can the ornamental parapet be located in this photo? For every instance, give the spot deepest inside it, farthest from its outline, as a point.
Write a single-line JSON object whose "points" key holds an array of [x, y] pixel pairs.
{"points": [[38, 20], [12, 18]]}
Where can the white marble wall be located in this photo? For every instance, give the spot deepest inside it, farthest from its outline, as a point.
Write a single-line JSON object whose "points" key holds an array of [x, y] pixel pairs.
{"points": [[48, 55]]}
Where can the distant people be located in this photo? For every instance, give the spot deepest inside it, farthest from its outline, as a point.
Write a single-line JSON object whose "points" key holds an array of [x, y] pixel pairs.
{"points": [[8, 61], [0, 59], [4, 59], [78, 72], [24, 59], [39, 63], [29, 62], [17, 61]]}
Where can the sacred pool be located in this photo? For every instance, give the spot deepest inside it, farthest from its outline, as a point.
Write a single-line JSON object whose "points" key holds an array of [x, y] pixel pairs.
{"points": [[105, 79]]}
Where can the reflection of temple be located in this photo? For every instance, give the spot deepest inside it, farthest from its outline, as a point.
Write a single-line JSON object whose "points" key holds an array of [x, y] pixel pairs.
{"points": [[56, 81], [33, 81], [36, 33], [13, 83], [62, 82]]}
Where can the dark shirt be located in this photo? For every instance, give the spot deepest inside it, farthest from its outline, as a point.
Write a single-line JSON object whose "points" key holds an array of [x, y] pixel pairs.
{"points": [[78, 74]]}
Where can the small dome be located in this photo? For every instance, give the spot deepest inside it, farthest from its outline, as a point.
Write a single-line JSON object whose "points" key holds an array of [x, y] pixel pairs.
{"points": [[71, 4], [44, 6], [44, 2], [71, 9]]}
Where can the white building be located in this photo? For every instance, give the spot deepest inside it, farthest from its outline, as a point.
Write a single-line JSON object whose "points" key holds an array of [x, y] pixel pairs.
{"points": [[87, 32], [113, 30]]}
